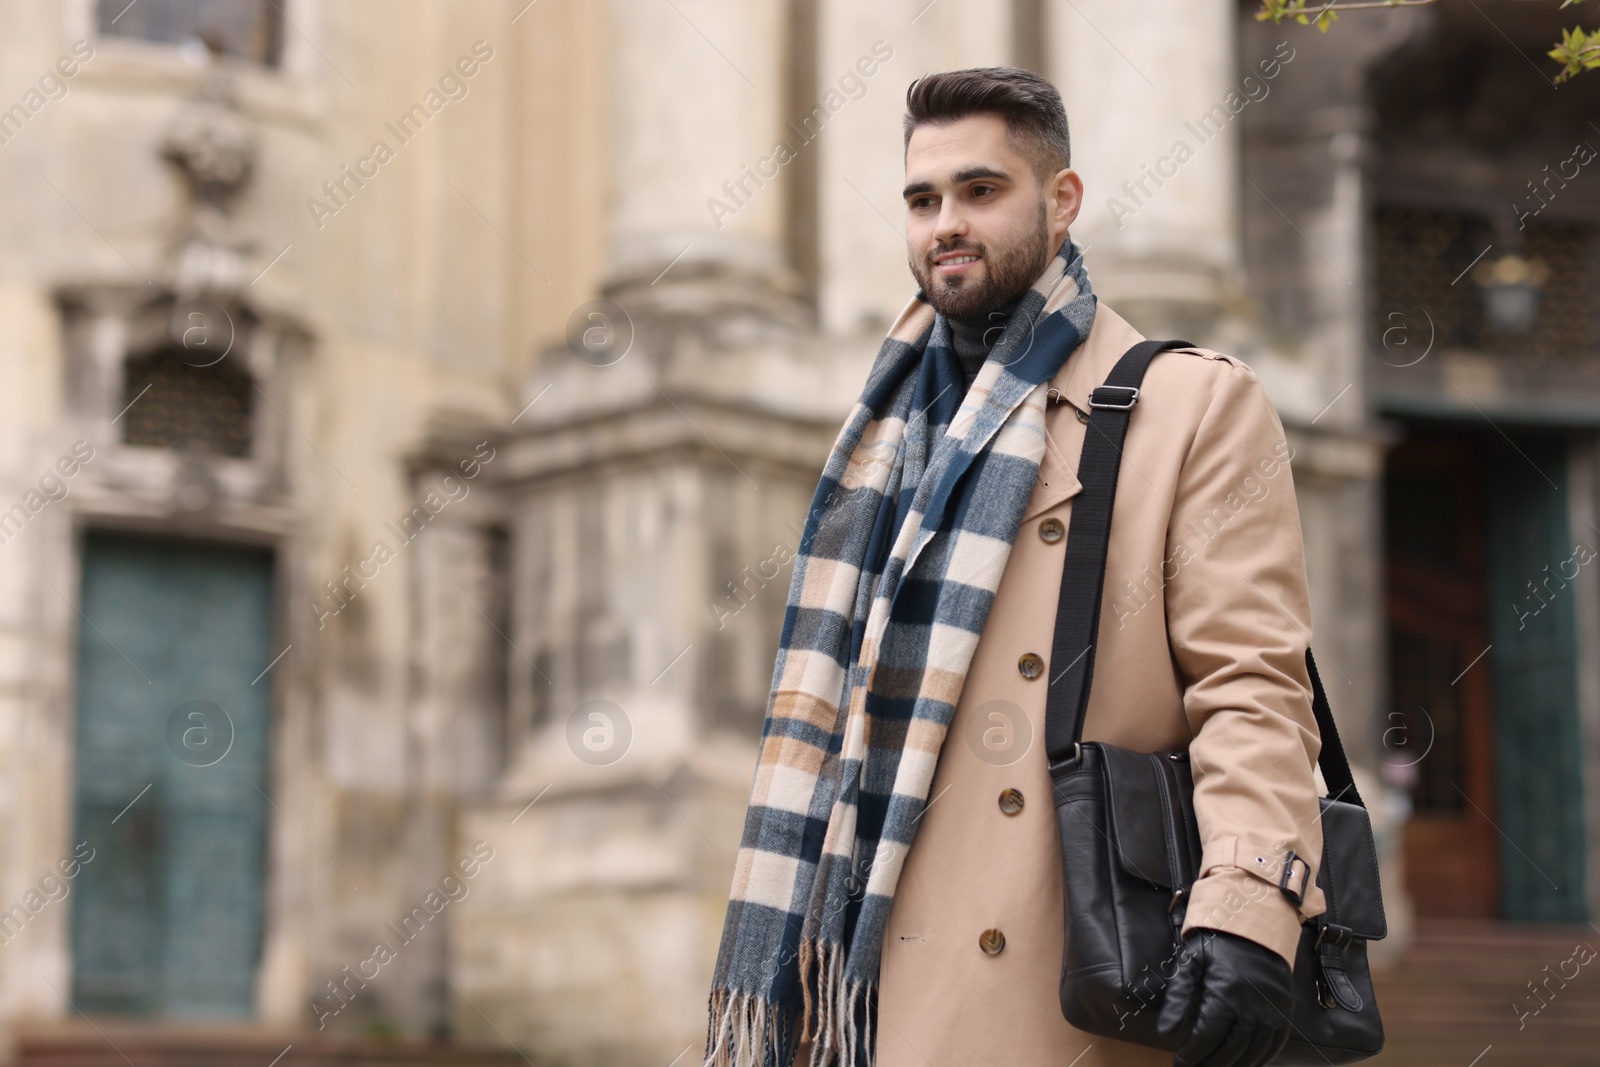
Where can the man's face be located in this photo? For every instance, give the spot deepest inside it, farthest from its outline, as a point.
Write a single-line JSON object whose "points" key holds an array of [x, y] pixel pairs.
{"points": [[980, 227]]}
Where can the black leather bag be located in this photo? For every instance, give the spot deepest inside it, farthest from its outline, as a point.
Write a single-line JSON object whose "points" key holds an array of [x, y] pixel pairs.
{"points": [[1130, 844]]}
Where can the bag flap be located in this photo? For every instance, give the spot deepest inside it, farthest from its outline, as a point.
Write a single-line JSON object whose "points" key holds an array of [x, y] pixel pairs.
{"points": [[1146, 794], [1349, 874]]}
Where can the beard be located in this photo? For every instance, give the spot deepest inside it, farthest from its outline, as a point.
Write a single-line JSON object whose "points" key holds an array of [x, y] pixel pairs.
{"points": [[1008, 271]]}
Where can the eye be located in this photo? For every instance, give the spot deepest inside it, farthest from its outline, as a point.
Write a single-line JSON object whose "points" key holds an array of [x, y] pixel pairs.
{"points": [[984, 191], [920, 202]]}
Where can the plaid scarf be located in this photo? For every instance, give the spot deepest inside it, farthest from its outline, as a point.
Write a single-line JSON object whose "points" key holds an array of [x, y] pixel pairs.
{"points": [[898, 564]]}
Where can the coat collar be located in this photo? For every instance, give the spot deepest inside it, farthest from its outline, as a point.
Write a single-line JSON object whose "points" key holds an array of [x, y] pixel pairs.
{"points": [[1086, 367]]}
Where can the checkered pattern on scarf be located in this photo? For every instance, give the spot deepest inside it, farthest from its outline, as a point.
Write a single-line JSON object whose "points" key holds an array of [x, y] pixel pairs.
{"points": [[897, 568]]}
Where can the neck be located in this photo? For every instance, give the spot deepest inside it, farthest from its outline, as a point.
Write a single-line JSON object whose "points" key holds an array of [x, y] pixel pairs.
{"points": [[973, 338], [984, 328]]}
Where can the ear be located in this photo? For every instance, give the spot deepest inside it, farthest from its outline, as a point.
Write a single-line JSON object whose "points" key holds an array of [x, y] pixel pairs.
{"points": [[1063, 199]]}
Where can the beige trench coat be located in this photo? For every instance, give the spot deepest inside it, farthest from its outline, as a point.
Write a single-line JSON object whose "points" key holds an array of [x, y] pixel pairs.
{"points": [[1202, 644]]}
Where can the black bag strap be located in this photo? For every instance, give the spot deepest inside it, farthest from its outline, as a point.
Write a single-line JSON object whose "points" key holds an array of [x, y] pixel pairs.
{"points": [[1083, 577], [1335, 765]]}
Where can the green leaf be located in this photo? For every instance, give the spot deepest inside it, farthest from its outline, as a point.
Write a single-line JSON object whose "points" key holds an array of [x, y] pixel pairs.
{"points": [[1577, 52]]}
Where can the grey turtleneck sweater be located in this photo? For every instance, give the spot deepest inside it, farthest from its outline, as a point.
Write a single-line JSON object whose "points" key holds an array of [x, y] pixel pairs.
{"points": [[973, 338]]}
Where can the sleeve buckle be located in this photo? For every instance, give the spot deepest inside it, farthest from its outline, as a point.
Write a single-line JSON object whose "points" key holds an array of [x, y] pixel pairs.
{"points": [[1286, 879]]}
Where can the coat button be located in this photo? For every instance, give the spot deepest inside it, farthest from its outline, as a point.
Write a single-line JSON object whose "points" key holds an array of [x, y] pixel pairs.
{"points": [[992, 941], [1030, 665], [1052, 530], [1010, 801]]}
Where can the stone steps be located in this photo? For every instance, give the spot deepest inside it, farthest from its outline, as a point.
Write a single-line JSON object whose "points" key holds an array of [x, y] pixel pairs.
{"points": [[117, 1045], [1451, 1001]]}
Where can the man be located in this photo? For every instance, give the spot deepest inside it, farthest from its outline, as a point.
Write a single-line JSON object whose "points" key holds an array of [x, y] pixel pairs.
{"points": [[898, 895]]}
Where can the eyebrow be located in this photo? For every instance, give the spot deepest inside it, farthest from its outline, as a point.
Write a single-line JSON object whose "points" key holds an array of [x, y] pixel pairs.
{"points": [[961, 177]]}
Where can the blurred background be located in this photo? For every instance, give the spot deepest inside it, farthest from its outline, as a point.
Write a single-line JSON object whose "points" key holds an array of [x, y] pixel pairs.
{"points": [[409, 411]]}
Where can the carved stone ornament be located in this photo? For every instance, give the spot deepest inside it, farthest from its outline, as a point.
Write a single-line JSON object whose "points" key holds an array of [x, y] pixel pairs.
{"points": [[214, 146]]}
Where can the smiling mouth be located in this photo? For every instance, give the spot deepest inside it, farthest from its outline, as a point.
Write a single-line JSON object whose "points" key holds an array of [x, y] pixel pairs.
{"points": [[955, 264]]}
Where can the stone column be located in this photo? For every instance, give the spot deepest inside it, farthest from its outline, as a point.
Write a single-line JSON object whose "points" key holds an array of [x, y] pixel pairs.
{"points": [[696, 179], [654, 481], [37, 624], [1147, 93]]}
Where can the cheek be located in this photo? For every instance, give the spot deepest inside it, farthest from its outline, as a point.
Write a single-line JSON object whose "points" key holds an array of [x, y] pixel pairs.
{"points": [[919, 236], [1017, 230]]}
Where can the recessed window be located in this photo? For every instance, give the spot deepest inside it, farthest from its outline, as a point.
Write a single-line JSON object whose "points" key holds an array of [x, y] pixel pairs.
{"points": [[248, 29], [171, 403]]}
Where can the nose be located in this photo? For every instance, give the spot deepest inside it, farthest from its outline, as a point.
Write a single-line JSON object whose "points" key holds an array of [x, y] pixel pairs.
{"points": [[952, 223]]}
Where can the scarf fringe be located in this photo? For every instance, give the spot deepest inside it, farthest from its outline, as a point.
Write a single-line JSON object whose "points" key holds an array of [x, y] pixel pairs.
{"points": [[750, 1031], [747, 1031], [837, 1038]]}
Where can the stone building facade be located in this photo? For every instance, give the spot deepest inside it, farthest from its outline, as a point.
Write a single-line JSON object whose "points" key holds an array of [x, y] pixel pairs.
{"points": [[465, 368]]}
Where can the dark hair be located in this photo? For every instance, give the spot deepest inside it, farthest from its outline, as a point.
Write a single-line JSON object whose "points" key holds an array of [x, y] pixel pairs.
{"points": [[1030, 105]]}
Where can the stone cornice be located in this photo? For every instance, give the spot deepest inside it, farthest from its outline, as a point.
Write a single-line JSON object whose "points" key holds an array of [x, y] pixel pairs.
{"points": [[746, 438]]}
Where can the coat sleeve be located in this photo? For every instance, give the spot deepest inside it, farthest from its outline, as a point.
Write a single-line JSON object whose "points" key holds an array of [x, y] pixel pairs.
{"points": [[1239, 620]]}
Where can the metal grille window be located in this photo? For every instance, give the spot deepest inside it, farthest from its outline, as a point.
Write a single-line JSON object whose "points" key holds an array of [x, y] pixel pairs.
{"points": [[1444, 264], [1568, 319], [172, 404], [1420, 255], [248, 29]]}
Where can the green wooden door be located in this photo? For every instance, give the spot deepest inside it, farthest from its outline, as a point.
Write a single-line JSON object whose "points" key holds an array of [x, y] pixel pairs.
{"points": [[171, 774], [1534, 665]]}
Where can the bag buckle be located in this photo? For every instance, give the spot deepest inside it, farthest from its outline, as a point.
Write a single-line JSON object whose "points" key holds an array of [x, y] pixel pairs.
{"points": [[1104, 396], [1067, 761], [1296, 896], [1340, 936]]}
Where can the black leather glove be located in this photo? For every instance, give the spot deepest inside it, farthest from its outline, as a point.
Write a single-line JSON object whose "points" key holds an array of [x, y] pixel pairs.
{"points": [[1240, 996]]}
